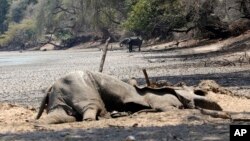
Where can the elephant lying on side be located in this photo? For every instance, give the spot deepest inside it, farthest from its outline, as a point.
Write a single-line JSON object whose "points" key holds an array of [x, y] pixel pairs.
{"points": [[86, 95], [130, 42]]}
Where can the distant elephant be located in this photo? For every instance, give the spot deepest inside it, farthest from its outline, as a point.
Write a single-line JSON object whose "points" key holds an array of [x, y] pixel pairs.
{"points": [[130, 42], [86, 95]]}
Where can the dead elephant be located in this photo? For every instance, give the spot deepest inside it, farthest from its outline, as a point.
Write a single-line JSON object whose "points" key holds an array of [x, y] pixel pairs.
{"points": [[130, 42], [86, 95]]}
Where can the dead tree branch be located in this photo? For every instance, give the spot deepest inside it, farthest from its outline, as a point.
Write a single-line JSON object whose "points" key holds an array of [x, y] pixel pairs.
{"points": [[215, 114], [104, 54]]}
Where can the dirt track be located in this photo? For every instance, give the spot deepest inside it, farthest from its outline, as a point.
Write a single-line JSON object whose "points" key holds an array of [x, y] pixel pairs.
{"points": [[24, 75]]}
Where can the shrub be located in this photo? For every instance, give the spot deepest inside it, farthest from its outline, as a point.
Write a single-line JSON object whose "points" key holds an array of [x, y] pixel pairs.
{"points": [[18, 34], [155, 17]]}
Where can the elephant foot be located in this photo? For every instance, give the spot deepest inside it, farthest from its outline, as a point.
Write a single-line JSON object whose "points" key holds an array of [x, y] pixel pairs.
{"points": [[90, 114], [57, 116]]}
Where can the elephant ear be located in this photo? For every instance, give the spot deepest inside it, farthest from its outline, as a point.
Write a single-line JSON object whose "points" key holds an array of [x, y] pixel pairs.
{"points": [[44, 103], [128, 41]]}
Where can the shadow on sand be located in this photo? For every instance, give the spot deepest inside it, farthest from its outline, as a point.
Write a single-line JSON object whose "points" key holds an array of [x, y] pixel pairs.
{"points": [[241, 78], [232, 48], [207, 131]]}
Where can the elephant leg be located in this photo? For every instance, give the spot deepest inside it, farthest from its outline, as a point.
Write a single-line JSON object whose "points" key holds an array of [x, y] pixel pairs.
{"points": [[163, 103], [130, 47], [90, 114], [56, 116], [89, 111]]}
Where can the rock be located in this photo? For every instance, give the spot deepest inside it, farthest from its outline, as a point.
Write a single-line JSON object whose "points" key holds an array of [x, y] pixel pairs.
{"points": [[130, 138], [73, 138], [47, 47]]}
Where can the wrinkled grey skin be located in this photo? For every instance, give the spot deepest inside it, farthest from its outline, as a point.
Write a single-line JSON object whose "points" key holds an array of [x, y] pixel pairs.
{"points": [[130, 42], [89, 95]]}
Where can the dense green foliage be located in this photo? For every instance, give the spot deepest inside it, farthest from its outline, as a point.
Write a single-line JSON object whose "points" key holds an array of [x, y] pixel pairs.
{"points": [[155, 17], [4, 6], [35, 22], [19, 34]]}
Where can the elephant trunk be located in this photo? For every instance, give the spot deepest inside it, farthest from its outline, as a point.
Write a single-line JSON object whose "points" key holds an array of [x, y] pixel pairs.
{"points": [[121, 44]]}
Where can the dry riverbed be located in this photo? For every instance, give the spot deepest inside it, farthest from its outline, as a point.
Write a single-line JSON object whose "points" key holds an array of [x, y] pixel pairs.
{"points": [[24, 75]]}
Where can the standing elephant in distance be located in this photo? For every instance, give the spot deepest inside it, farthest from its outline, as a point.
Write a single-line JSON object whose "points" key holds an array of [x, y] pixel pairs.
{"points": [[130, 42]]}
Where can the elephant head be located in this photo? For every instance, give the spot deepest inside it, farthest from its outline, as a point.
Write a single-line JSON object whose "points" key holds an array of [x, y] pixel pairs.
{"points": [[125, 42]]}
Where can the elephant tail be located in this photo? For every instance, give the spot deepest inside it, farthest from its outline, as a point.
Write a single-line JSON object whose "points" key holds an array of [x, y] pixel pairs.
{"points": [[44, 103]]}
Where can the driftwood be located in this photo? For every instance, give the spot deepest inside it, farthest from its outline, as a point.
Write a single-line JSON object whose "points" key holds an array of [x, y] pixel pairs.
{"points": [[215, 114], [104, 55], [223, 62], [240, 119], [224, 115]]}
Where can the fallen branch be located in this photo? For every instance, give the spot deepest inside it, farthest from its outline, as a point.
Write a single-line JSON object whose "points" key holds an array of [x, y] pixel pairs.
{"points": [[240, 119], [228, 63], [183, 30], [215, 114], [223, 115], [147, 111]]}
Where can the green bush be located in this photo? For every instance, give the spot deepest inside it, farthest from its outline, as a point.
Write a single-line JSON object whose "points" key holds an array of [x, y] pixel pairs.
{"points": [[155, 17], [18, 34]]}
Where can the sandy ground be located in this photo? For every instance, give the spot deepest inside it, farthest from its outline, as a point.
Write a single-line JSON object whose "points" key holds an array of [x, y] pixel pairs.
{"points": [[24, 75], [17, 124]]}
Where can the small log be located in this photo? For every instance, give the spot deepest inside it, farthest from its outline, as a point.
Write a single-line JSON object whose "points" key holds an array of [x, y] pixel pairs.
{"points": [[215, 114], [146, 77], [241, 119], [104, 55], [146, 111]]}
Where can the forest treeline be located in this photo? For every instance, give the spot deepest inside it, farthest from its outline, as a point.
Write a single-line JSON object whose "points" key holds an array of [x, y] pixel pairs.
{"points": [[29, 23]]}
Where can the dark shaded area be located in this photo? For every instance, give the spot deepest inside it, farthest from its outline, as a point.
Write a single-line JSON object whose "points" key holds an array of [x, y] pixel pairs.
{"points": [[77, 40], [206, 131], [176, 48], [234, 47], [241, 78]]}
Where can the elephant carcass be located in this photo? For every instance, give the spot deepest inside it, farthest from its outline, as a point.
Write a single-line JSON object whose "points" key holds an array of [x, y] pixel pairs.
{"points": [[130, 42], [87, 95]]}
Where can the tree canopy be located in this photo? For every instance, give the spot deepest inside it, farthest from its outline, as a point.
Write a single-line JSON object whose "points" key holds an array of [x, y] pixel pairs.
{"points": [[68, 21], [4, 6]]}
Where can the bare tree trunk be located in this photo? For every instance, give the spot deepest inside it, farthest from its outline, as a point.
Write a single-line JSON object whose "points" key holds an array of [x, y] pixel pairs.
{"points": [[104, 54]]}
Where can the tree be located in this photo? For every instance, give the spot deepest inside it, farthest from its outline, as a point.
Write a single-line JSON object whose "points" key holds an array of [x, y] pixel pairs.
{"points": [[4, 7], [18, 34], [18, 8], [156, 17], [67, 19]]}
